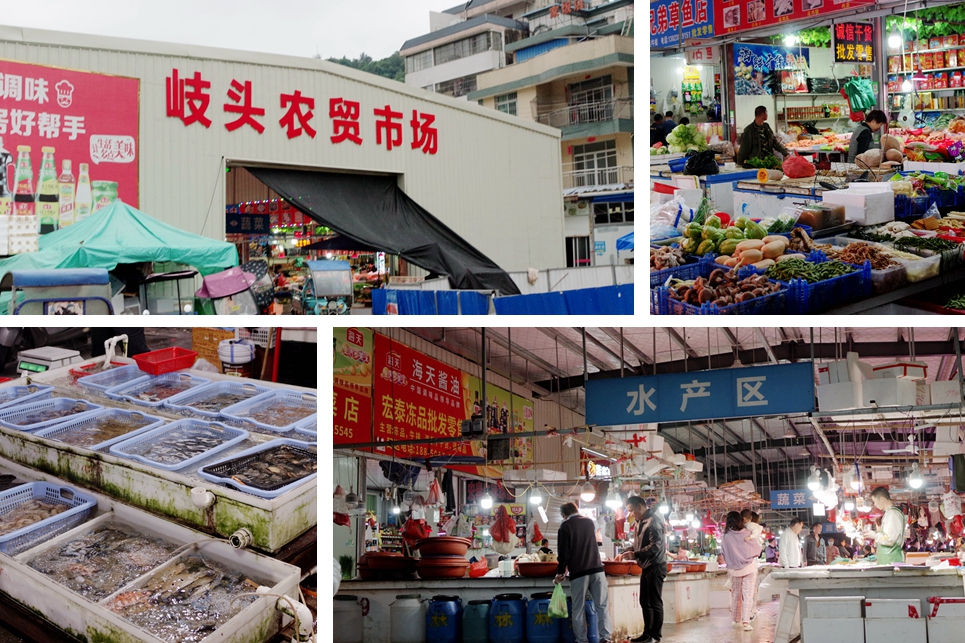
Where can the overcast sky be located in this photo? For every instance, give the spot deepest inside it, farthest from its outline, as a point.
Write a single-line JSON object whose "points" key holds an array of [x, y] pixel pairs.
{"points": [[333, 28]]}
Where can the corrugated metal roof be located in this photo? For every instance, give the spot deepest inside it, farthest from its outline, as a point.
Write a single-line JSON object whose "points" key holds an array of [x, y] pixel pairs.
{"points": [[463, 26]]}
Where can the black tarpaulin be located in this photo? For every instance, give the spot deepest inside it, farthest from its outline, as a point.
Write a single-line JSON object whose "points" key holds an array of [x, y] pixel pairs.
{"points": [[339, 242], [373, 211]]}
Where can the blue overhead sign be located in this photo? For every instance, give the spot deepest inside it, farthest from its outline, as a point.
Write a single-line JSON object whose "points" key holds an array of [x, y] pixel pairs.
{"points": [[702, 395], [790, 499], [674, 21], [236, 223]]}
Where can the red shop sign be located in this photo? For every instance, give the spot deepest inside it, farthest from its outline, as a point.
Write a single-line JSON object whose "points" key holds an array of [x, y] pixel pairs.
{"points": [[740, 15]]}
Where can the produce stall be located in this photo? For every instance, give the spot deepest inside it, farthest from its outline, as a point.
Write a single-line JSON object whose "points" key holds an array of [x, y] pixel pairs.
{"points": [[178, 456]]}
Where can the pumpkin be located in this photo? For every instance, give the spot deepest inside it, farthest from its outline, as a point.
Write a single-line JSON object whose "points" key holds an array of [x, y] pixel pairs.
{"points": [[871, 158]]}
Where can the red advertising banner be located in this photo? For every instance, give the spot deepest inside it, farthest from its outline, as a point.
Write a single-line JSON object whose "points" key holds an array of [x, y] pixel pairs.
{"points": [[73, 137], [416, 397], [740, 15], [352, 393]]}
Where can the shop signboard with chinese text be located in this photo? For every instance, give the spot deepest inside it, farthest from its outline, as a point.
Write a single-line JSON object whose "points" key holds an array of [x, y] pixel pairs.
{"points": [[853, 42], [352, 372], [702, 395], [754, 63], [791, 499], [700, 53], [242, 105], [62, 128], [741, 15], [237, 223], [675, 21]]}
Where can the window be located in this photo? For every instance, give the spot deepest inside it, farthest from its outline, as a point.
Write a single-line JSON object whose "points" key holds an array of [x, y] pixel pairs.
{"points": [[595, 164], [466, 47], [610, 213], [416, 62], [457, 87], [577, 251], [507, 103], [591, 101]]}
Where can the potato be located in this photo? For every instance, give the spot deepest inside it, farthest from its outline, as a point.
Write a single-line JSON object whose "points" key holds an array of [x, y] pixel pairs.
{"points": [[751, 256], [894, 155], [773, 250], [763, 265], [772, 238], [749, 244]]}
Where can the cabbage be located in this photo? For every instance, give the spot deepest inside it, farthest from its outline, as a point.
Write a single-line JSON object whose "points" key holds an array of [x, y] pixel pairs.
{"points": [[685, 138]]}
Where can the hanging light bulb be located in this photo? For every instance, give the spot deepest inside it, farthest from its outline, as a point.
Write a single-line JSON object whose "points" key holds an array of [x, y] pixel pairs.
{"points": [[613, 499], [396, 509], [894, 40], [486, 502], [674, 517], [790, 40], [351, 499], [695, 523], [588, 493], [906, 85], [915, 481], [814, 482], [535, 497], [690, 516], [855, 481], [664, 508], [408, 496], [849, 504]]}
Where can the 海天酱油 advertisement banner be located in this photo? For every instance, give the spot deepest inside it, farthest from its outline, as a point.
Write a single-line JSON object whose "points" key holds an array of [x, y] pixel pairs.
{"points": [[72, 138], [741, 15], [352, 374]]}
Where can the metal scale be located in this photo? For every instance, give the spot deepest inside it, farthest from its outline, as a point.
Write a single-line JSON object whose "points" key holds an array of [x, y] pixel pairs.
{"points": [[39, 360]]}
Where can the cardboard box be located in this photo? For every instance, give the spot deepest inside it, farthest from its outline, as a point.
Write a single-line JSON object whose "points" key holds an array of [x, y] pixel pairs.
{"points": [[913, 370], [839, 396], [950, 41], [951, 58], [947, 392], [892, 391], [824, 376], [935, 42], [925, 60]]}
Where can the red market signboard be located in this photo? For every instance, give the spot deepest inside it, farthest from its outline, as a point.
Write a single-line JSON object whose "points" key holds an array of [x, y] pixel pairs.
{"points": [[191, 99], [853, 42], [731, 16], [352, 392], [52, 117]]}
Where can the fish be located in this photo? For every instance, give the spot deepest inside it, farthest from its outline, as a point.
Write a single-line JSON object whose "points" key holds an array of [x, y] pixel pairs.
{"points": [[161, 390], [219, 401], [101, 429], [180, 445], [47, 414], [279, 412], [29, 513]]}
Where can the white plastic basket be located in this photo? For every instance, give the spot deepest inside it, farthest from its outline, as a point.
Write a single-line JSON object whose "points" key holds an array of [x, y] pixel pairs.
{"points": [[264, 337]]}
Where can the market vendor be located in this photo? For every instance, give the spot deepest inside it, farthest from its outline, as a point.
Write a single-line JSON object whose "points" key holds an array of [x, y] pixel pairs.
{"points": [[862, 139], [757, 141], [657, 132], [891, 535]]}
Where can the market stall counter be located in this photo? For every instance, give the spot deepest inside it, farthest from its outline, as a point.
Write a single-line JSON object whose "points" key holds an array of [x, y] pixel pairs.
{"points": [[719, 188], [685, 597]]}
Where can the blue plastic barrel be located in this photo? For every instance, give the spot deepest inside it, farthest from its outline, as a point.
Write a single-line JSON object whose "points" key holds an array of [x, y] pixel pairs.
{"points": [[566, 625], [475, 622], [443, 619], [507, 619], [540, 628]]}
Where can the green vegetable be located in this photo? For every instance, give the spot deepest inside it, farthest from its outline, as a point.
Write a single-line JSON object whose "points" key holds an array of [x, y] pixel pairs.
{"points": [[733, 233], [728, 246], [689, 245], [712, 234], [754, 231], [741, 222], [703, 211], [684, 138], [769, 162], [957, 302], [693, 230], [932, 243], [713, 221], [810, 272], [705, 247]]}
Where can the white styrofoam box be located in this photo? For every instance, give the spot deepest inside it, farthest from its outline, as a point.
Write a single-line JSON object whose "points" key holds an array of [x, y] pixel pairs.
{"points": [[892, 608], [945, 630], [788, 617], [893, 391], [833, 629], [642, 438], [951, 608], [864, 208], [531, 475], [834, 606], [824, 373], [948, 441], [914, 370], [840, 396], [652, 466], [922, 393], [946, 392], [693, 465], [951, 168], [893, 629]]}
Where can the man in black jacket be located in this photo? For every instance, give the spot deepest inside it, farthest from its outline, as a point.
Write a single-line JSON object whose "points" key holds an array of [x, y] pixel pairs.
{"points": [[578, 552], [650, 552]]}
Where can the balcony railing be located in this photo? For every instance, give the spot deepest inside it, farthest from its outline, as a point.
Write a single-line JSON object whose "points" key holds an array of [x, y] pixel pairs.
{"points": [[581, 113], [619, 175]]}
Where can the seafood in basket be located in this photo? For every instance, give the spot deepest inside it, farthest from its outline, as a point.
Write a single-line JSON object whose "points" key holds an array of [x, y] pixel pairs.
{"points": [[186, 602], [100, 429], [180, 445], [271, 467], [218, 402], [37, 415], [29, 513], [103, 561], [279, 410]]}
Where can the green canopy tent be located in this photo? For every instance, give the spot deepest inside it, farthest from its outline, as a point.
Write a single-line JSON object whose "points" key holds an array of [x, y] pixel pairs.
{"points": [[120, 234]]}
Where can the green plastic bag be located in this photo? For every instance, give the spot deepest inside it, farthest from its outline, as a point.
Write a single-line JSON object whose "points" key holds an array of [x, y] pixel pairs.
{"points": [[860, 94], [557, 608]]}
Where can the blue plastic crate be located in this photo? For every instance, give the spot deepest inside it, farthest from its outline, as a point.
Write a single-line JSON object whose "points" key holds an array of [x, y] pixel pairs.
{"points": [[688, 272], [59, 431], [308, 426], [242, 410], [19, 417], [773, 304], [79, 503], [911, 208], [184, 401], [130, 391], [220, 472], [805, 298], [944, 198], [677, 165], [20, 393], [111, 378], [134, 448]]}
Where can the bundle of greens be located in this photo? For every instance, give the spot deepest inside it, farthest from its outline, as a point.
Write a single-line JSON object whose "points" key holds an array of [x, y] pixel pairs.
{"points": [[685, 138], [769, 162]]}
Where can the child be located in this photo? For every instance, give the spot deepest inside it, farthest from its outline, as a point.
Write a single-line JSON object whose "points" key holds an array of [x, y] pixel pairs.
{"points": [[752, 524]]}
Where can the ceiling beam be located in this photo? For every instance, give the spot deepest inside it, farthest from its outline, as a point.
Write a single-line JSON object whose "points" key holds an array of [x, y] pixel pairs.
{"points": [[767, 345], [596, 342], [760, 427], [616, 334], [732, 338], [522, 352], [680, 341], [745, 447], [575, 348]]}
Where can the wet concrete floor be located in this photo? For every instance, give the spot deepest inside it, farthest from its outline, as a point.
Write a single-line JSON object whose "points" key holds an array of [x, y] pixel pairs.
{"points": [[717, 628]]}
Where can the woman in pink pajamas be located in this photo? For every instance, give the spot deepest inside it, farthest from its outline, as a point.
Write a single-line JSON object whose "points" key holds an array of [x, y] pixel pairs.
{"points": [[741, 556]]}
